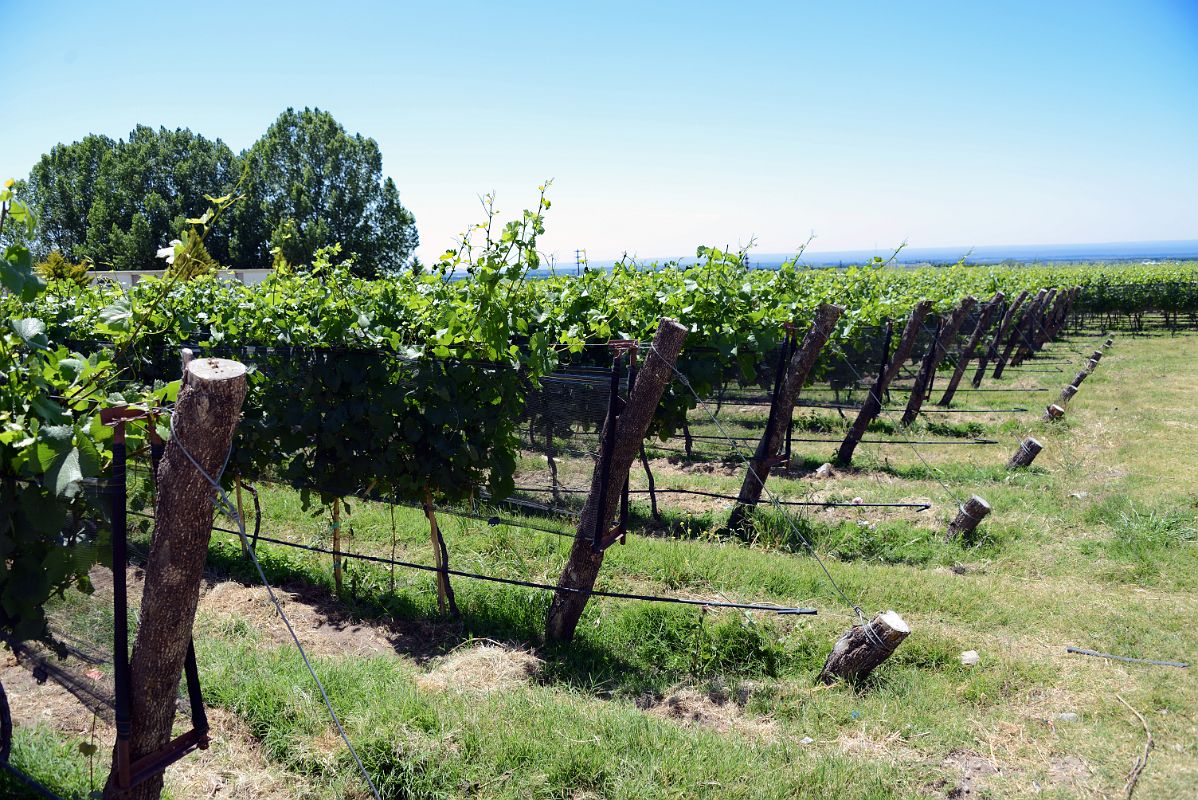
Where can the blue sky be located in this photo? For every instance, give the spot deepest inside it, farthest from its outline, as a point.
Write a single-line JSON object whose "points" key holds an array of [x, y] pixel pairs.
{"points": [[670, 125]]}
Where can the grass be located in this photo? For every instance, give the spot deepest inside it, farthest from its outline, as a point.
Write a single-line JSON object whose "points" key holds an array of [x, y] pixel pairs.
{"points": [[1095, 547]]}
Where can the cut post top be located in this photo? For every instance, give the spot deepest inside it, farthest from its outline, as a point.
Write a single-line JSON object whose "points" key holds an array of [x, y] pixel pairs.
{"points": [[215, 369]]}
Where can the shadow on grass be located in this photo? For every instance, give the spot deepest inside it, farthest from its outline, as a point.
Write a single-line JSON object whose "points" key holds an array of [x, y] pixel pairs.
{"points": [[622, 649]]}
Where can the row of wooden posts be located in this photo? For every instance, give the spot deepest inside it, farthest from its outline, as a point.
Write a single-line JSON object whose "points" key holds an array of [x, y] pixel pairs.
{"points": [[1016, 338], [209, 404]]}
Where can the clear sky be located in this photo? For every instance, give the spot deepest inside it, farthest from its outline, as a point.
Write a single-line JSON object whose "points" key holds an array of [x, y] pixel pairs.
{"points": [[668, 125]]}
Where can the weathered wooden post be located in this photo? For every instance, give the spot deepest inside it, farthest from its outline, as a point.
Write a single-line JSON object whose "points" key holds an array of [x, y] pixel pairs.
{"points": [[582, 567], [336, 528], [445, 597], [205, 418], [859, 651], [966, 355], [1096, 356], [1053, 413], [1047, 322], [1108, 343], [948, 330], [1029, 448], [1003, 326], [969, 514], [873, 401], [1067, 394], [1030, 342], [769, 448], [1019, 331]]}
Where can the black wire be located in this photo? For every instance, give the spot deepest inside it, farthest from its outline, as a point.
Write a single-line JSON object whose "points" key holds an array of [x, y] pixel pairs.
{"points": [[530, 584]]}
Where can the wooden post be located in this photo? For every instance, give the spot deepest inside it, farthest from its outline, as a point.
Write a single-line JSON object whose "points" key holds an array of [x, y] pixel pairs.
{"points": [[337, 544], [1096, 356], [1108, 343], [1053, 413], [936, 354], [1029, 343], [241, 516], [1066, 394], [1079, 377], [966, 354], [1019, 332], [971, 512], [205, 418], [1003, 326], [582, 567], [445, 597], [873, 401], [772, 439], [1047, 321], [859, 651], [1026, 454]]}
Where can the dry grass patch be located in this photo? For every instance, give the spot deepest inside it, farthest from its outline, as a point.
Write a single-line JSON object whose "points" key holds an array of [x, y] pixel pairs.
{"points": [[481, 668]]}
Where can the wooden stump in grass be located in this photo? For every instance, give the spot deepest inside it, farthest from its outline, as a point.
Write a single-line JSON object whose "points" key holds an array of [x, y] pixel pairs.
{"points": [[1066, 394], [1079, 377], [1096, 355], [971, 512], [1026, 454], [1053, 413], [1108, 342], [1092, 365], [859, 651]]}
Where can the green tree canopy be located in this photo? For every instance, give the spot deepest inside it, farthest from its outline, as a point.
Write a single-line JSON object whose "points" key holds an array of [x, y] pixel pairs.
{"points": [[309, 184], [117, 202]]}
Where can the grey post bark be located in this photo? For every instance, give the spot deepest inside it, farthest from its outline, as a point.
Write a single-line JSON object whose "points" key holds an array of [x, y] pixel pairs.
{"points": [[772, 439], [1003, 326], [1029, 448], [873, 401], [1019, 332], [582, 567], [859, 651], [939, 349], [205, 418], [1030, 342], [989, 311], [1067, 394], [971, 512], [1053, 413]]}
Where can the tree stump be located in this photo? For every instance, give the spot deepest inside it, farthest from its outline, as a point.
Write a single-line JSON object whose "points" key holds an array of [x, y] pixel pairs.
{"points": [[205, 417], [1079, 377], [582, 567], [1096, 355], [1109, 342], [971, 512], [1026, 454], [1053, 413], [1092, 364], [1066, 394], [859, 651]]}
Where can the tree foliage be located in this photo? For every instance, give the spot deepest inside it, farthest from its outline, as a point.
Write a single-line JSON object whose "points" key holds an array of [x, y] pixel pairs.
{"points": [[310, 185], [307, 183], [116, 202]]}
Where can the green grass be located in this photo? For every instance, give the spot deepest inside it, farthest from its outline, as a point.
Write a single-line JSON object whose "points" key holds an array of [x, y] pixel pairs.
{"points": [[1094, 547]]}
